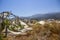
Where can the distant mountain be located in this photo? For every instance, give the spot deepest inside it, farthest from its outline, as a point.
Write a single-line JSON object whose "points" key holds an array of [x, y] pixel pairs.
{"points": [[44, 16]]}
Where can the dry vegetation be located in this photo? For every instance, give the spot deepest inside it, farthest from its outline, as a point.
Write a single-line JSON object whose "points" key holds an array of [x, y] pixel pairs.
{"points": [[48, 31]]}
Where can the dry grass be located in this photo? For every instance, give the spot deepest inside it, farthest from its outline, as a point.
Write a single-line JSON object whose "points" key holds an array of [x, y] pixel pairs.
{"points": [[49, 31]]}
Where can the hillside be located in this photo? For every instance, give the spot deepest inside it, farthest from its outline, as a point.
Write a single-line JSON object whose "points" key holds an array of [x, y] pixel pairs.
{"points": [[44, 16]]}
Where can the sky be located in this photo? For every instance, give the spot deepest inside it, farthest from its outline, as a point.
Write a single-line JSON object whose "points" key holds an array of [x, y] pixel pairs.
{"points": [[29, 7]]}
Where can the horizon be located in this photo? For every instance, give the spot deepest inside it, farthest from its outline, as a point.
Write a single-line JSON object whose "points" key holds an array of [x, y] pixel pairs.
{"points": [[39, 14], [30, 7]]}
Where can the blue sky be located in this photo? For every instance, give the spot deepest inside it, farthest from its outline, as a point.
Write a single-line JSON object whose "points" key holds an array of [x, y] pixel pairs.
{"points": [[30, 7]]}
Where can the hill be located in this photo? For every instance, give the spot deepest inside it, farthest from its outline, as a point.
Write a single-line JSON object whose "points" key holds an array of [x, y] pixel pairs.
{"points": [[44, 16]]}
